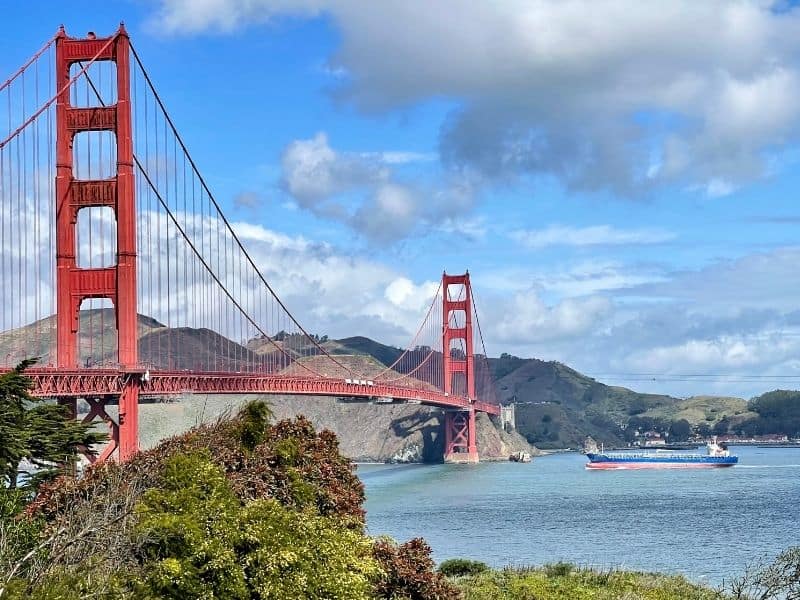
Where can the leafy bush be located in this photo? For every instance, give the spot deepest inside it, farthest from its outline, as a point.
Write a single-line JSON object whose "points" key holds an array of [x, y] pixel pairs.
{"points": [[234, 509], [18, 536], [459, 567], [407, 573], [197, 540], [559, 569]]}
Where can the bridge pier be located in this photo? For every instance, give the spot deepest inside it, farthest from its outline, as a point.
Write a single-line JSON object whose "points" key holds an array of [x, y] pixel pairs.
{"points": [[129, 418], [460, 445], [123, 434]]}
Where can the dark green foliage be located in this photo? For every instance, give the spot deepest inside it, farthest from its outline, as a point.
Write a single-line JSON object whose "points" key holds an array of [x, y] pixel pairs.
{"points": [[459, 567], [722, 426], [507, 363], [253, 424], [778, 413], [680, 431], [559, 569], [704, 430], [408, 573], [637, 406], [31, 429]]}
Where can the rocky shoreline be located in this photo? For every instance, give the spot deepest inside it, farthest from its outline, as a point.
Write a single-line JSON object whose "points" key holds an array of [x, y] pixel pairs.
{"points": [[400, 433]]}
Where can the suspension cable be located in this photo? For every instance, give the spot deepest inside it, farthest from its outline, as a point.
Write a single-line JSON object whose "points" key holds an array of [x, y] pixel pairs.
{"points": [[224, 218], [416, 335], [183, 233], [33, 58], [66, 86]]}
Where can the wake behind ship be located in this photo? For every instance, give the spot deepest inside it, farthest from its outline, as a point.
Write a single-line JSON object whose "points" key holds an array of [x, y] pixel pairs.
{"points": [[717, 456]]}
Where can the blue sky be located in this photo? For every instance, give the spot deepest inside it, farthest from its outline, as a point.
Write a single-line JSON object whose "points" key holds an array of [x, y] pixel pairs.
{"points": [[621, 185]]}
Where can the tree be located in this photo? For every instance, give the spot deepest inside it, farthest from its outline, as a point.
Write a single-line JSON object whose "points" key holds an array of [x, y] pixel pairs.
{"points": [[32, 429], [233, 509], [680, 431], [722, 427], [779, 579], [704, 430]]}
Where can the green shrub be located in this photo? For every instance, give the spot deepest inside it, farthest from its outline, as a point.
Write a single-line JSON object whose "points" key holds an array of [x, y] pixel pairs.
{"points": [[558, 582], [459, 567], [199, 541], [407, 573], [559, 569], [236, 509]]}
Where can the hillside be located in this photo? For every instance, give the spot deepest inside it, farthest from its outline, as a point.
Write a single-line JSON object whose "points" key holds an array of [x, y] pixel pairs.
{"points": [[557, 406], [702, 409]]}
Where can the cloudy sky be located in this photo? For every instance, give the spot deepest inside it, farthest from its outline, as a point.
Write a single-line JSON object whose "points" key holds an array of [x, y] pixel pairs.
{"points": [[620, 177]]}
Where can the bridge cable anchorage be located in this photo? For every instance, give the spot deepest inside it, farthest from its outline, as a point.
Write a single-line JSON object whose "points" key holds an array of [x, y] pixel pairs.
{"points": [[66, 86], [194, 249], [225, 219]]}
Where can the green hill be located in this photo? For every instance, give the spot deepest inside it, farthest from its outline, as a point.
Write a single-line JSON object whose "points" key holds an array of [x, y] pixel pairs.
{"points": [[558, 407], [702, 409]]}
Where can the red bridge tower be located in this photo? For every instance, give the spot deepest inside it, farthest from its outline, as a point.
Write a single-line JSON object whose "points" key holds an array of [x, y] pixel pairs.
{"points": [[117, 282], [459, 370]]}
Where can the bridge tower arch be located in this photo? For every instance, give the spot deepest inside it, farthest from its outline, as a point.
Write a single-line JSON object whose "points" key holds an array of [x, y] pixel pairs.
{"points": [[460, 444]]}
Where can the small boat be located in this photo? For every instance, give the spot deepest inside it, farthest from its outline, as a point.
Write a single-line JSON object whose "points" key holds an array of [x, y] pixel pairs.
{"points": [[717, 456]]}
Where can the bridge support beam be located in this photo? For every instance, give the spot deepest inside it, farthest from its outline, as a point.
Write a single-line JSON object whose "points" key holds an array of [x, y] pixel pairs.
{"points": [[460, 444]]}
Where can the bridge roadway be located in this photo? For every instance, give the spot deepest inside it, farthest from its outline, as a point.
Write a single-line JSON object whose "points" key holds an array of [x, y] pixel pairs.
{"points": [[50, 382]]}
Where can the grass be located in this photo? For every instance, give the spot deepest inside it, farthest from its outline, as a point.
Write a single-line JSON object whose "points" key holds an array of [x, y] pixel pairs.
{"points": [[698, 409], [565, 582]]}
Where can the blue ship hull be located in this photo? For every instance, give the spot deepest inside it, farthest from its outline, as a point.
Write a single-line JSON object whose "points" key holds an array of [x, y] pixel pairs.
{"points": [[657, 461]]}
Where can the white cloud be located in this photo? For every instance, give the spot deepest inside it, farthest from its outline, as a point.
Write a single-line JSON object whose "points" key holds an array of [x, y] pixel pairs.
{"points": [[363, 191], [525, 319], [403, 158], [226, 15], [717, 188], [735, 321], [391, 212], [584, 90], [404, 293], [595, 235], [314, 173], [592, 277]]}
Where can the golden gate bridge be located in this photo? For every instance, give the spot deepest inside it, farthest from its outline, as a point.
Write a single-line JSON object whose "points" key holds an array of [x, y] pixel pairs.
{"points": [[122, 274]]}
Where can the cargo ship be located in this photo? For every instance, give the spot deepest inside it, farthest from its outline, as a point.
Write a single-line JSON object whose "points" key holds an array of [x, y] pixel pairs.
{"points": [[716, 456]]}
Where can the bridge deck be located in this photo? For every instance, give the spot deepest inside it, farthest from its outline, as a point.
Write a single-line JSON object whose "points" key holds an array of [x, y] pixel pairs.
{"points": [[50, 382]]}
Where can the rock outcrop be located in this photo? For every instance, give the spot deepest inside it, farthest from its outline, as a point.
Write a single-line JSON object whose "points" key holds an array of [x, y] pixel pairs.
{"points": [[367, 432]]}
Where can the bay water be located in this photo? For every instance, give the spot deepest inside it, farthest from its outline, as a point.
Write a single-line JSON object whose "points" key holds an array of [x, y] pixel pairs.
{"points": [[707, 524]]}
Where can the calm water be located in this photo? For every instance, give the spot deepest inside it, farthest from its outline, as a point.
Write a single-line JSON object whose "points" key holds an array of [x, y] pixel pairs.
{"points": [[706, 524]]}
